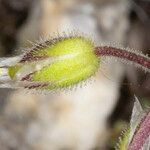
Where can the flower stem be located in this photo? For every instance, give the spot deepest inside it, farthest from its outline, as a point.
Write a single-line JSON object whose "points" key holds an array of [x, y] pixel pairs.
{"points": [[142, 134], [132, 56]]}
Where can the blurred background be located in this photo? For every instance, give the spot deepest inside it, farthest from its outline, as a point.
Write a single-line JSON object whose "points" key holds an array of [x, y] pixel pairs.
{"points": [[88, 118]]}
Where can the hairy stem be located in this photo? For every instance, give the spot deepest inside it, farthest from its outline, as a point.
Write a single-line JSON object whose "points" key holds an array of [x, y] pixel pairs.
{"points": [[141, 135], [132, 56]]}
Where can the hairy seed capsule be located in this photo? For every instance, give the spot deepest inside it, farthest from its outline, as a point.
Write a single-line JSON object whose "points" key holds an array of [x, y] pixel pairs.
{"points": [[57, 63]]}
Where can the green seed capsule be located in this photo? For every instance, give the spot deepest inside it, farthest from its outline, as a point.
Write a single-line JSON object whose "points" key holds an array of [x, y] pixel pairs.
{"points": [[56, 63]]}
